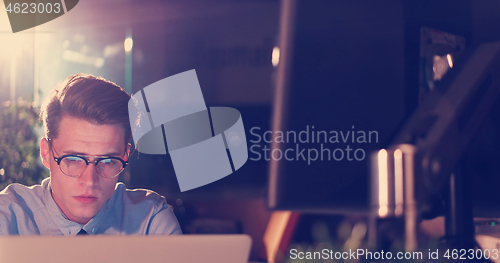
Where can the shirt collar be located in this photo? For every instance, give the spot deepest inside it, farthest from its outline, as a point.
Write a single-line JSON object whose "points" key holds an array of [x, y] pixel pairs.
{"points": [[66, 226]]}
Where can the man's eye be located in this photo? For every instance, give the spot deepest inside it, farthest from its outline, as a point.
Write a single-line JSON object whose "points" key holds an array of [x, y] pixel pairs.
{"points": [[107, 161], [73, 159]]}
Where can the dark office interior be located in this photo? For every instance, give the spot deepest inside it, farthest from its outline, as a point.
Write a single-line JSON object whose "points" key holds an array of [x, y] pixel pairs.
{"points": [[346, 78]]}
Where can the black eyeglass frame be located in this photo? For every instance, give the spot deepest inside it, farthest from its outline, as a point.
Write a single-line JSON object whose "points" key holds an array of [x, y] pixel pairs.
{"points": [[84, 157]]}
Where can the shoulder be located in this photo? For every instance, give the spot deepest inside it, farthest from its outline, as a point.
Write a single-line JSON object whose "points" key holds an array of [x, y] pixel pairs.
{"points": [[139, 200], [160, 215], [139, 196], [18, 202], [21, 195]]}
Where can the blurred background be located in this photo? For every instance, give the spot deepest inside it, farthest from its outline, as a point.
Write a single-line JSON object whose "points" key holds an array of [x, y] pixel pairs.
{"points": [[134, 44], [354, 66]]}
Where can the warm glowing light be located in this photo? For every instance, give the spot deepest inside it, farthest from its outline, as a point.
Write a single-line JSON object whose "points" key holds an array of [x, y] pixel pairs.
{"points": [[440, 67], [359, 231], [398, 181], [274, 233], [382, 211], [12, 45], [450, 60], [383, 179], [128, 44], [65, 44], [2, 171], [4, 22], [276, 56], [112, 50], [81, 58]]}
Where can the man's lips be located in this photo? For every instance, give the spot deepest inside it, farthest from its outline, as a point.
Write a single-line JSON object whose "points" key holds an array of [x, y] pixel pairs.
{"points": [[86, 199]]}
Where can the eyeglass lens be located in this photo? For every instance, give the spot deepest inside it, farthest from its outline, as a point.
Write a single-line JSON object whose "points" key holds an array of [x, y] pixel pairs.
{"points": [[75, 166]]}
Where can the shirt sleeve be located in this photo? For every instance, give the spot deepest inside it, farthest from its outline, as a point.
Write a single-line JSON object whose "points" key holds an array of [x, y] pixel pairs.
{"points": [[4, 224], [164, 222]]}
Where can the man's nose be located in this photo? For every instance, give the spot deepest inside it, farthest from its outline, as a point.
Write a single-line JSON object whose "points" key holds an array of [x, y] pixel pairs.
{"points": [[90, 177]]}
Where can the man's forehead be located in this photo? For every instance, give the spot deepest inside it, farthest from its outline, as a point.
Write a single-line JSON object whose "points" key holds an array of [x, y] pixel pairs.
{"points": [[80, 135]]}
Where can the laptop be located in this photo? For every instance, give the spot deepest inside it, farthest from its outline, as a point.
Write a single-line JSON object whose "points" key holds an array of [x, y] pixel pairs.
{"points": [[126, 249]]}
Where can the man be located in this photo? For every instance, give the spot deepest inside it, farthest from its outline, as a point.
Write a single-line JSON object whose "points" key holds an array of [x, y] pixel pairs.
{"points": [[87, 130]]}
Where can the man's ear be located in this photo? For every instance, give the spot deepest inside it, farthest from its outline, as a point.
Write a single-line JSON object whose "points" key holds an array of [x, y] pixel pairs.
{"points": [[45, 152], [127, 152]]}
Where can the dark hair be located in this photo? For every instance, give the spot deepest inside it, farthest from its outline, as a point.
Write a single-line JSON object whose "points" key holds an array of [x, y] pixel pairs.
{"points": [[89, 98]]}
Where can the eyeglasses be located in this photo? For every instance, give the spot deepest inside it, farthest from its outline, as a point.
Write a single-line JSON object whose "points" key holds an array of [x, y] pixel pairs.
{"points": [[75, 165]]}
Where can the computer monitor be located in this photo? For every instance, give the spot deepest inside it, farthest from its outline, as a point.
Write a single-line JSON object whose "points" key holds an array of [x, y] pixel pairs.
{"points": [[340, 94], [353, 68]]}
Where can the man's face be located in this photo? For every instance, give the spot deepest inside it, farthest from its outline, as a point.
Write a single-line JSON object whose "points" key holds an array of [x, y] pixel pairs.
{"points": [[80, 198]]}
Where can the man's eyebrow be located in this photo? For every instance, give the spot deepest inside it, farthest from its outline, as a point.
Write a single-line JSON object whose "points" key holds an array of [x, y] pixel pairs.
{"points": [[113, 153], [72, 153], [85, 154]]}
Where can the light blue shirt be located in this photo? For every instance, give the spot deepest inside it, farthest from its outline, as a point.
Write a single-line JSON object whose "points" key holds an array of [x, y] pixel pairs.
{"points": [[33, 211]]}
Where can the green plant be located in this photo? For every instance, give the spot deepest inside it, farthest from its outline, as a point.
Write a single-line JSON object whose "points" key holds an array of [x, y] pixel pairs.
{"points": [[19, 145]]}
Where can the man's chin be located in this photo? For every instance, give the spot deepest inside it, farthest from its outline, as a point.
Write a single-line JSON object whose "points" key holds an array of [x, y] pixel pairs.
{"points": [[83, 217], [87, 211]]}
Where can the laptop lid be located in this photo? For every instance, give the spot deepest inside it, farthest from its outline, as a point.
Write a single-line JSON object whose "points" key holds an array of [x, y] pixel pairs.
{"points": [[124, 249]]}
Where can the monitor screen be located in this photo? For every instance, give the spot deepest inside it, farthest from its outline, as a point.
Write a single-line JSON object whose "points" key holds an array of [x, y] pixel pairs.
{"points": [[340, 95], [346, 82]]}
